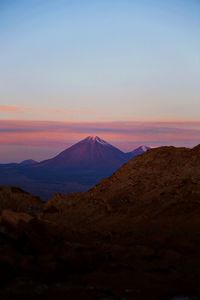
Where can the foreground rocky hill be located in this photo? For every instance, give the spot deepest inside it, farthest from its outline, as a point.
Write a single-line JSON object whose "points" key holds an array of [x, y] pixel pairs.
{"points": [[16, 199], [136, 235]]}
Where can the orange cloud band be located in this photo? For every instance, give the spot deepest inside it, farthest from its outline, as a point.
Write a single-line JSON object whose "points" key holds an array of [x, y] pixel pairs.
{"points": [[10, 109]]}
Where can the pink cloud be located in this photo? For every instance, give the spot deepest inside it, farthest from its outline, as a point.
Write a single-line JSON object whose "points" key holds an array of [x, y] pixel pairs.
{"points": [[10, 109]]}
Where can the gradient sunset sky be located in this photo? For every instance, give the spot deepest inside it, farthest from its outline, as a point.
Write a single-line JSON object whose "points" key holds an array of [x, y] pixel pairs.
{"points": [[128, 71]]}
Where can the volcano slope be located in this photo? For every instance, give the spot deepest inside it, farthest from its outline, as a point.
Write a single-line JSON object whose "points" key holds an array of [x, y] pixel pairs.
{"points": [[136, 235]]}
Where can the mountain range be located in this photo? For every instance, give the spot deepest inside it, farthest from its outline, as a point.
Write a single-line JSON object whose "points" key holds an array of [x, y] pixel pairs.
{"points": [[73, 170]]}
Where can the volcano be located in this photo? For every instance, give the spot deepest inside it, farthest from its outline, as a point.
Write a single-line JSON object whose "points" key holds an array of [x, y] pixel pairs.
{"points": [[91, 153]]}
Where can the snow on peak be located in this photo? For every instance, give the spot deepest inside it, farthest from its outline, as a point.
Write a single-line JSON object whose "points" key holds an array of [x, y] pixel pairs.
{"points": [[96, 139], [93, 138]]}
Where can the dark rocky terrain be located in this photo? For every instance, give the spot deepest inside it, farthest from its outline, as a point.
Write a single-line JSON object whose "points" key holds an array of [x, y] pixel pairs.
{"points": [[136, 235]]}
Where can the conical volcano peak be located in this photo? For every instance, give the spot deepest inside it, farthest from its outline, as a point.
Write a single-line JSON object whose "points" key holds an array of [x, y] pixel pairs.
{"points": [[90, 153]]}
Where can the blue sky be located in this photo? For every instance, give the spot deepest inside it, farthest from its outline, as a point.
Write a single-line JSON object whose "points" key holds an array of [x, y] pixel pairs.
{"points": [[100, 60]]}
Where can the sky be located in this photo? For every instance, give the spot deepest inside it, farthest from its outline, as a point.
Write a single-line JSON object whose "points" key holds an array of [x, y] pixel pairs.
{"points": [[127, 70]]}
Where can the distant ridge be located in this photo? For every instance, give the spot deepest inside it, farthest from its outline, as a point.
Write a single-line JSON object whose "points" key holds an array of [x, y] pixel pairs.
{"points": [[28, 162]]}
